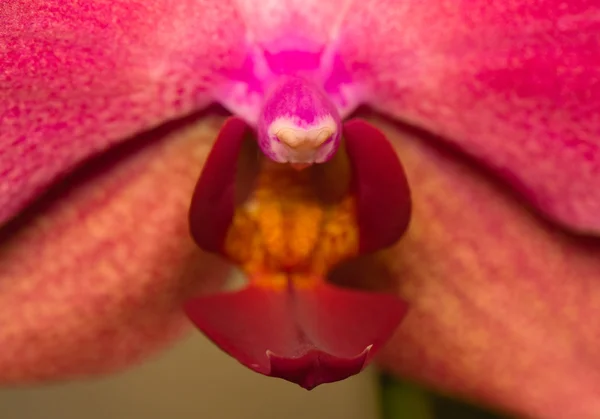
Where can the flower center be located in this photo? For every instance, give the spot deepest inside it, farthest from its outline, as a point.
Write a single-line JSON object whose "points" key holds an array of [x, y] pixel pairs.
{"points": [[298, 123], [290, 231], [284, 234]]}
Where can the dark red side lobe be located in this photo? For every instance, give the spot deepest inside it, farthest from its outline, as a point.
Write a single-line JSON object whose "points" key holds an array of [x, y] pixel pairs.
{"points": [[213, 202], [380, 186]]}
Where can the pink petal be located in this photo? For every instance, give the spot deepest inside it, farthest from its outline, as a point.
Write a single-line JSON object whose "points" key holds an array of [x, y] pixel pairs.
{"points": [[279, 25], [516, 84], [307, 336], [291, 37], [83, 76], [94, 279], [503, 306]]}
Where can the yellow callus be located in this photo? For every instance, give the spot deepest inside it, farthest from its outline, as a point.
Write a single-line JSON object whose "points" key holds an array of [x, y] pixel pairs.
{"points": [[284, 233]]}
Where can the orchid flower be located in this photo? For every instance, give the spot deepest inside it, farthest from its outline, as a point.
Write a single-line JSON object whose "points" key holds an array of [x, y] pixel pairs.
{"points": [[109, 159]]}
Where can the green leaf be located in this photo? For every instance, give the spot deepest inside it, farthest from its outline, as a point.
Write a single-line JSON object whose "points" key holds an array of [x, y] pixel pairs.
{"points": [[404, 400]]}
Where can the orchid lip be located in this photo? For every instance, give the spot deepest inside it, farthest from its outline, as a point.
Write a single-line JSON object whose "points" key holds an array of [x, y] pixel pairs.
{"points": [[308, 336], [289, 321], [316, 367]]}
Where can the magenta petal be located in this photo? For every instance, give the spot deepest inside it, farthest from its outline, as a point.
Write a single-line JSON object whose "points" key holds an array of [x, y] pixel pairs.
{"points": [[380, 186], [77, 77], [213, 202], [307, 336], [515, 84]]}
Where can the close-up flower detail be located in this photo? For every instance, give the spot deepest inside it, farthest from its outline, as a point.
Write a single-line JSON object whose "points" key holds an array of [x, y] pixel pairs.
{"points": [[288, 232], [313, 185]]}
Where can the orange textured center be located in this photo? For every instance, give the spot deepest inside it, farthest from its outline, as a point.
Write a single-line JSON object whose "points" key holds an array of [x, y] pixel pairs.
{"points": [[284, 232]]}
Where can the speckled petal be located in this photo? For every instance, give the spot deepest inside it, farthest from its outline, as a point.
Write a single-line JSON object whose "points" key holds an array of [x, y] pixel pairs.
{"points": [[93, 279], [78, 77], [503, 306], [514, 83]]}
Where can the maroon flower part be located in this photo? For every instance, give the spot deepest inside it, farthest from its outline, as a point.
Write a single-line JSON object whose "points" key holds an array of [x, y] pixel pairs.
{"points": [[307, 336], [297, 326]]}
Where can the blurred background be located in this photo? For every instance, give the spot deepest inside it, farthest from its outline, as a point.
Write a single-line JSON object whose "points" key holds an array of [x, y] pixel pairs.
{"points": [[196, 380], [193, 380]]}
